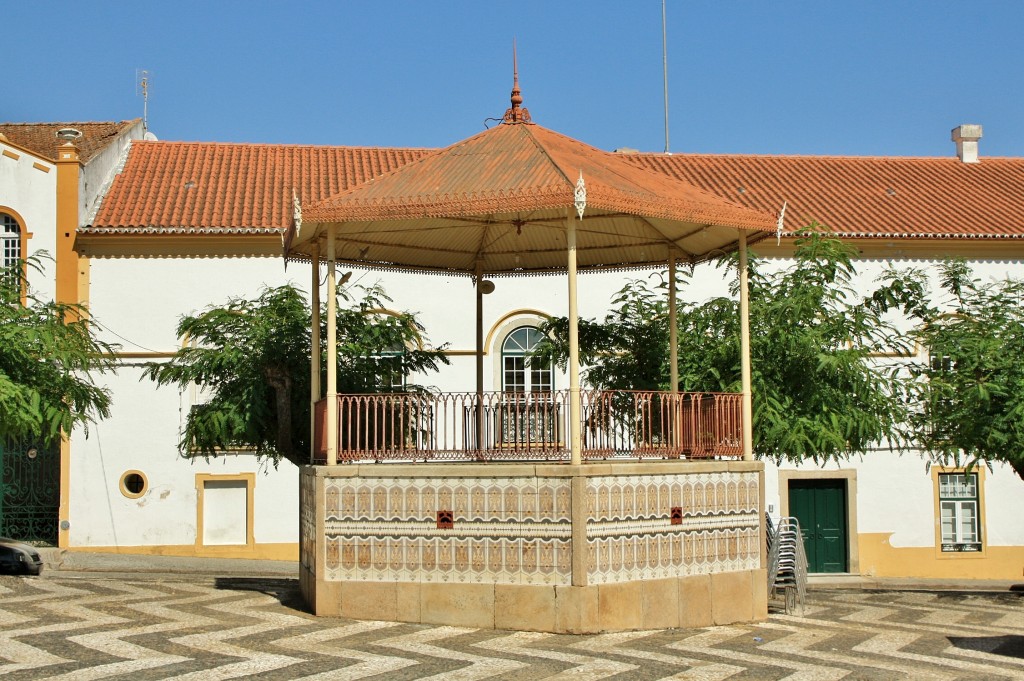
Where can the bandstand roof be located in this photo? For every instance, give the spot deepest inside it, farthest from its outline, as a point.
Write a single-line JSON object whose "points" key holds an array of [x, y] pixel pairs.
{"points": [[502, 198]]}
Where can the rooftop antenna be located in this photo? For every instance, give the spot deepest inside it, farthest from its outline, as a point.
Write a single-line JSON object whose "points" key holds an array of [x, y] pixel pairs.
{"points": [[664, 65], [142, 86]]}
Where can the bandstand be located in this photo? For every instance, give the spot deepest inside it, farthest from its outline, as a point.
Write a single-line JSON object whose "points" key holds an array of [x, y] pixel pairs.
{"points": [[564, 511]]}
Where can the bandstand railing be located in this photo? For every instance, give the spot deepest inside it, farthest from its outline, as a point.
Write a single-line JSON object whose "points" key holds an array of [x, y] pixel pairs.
{"points": [[531, 426]]}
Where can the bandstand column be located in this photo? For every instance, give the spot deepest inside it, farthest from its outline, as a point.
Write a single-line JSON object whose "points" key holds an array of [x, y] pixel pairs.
{"points": [[314, 362], [575, 410], [673, 352], [748, 414], [332, 352]]}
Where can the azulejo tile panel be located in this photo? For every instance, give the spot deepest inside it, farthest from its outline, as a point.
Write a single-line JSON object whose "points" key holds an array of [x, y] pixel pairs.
{"points": [[307, 520], [514, 530], [630, 534]]}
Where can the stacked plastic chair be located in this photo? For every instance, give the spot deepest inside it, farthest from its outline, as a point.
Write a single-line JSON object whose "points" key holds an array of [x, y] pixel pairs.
{"points": [[787, 563]]}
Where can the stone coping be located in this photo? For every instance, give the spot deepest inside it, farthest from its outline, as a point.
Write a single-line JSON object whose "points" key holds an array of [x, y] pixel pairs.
{"points": [[540, 470]]}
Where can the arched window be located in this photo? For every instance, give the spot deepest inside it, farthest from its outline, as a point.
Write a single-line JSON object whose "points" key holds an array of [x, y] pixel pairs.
{"points": [[10, 235], [519, 372], [10, 252]]}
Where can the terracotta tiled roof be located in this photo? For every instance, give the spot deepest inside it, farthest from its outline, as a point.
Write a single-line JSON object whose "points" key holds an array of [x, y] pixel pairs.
{"points": [[498, 202], [512, 168], [243, 186], [41, 138], [865, 197], [170, 187]]}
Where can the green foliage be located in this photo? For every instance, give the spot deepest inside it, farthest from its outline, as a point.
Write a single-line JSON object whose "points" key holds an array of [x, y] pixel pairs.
{"points": [[48, 356], [251, 357], [815, 394], [970, 395]]}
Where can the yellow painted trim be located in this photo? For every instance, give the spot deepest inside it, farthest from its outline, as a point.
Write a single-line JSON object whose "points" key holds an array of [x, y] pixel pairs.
{"points": [[40, 166], [140, 355], [271, 551], [525, 312], [853, 556], [84, 276], [63, 510], [393, 313], [128, 493], [937, 517], [250, 511], [68, 171], [25, 150], [880, 559], [10, 154], [136, 246], [913, 248], [24, 236]]}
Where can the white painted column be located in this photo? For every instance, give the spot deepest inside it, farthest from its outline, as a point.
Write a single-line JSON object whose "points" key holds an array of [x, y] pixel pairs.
{"points": [[748, 414], [479, 358], [575, 410], [673, 352], [673, 324], [314, 363], [332, 352]]}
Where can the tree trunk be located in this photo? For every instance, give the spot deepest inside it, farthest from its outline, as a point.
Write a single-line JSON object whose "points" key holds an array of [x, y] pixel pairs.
{"points": [[281, 382]]}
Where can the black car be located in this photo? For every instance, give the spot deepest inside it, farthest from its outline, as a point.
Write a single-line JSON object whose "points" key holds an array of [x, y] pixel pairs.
{"points": [[19, 558]]}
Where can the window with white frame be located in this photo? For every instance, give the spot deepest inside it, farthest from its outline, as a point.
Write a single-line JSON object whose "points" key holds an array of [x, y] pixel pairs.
{"points": [[527, 416], [519, 372], [10, 235], [10, 244], [390, 370], [958, 512]]}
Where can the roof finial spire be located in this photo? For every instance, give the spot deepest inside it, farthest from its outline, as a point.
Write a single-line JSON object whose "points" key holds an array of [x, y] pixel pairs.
{"points": [[516, 113]]}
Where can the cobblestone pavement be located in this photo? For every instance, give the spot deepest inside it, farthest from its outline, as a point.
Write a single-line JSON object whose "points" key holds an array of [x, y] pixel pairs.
{"points": [[99, 627]]}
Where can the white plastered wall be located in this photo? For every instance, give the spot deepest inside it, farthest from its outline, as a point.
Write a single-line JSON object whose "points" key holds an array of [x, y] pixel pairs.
{"points": [[32, 194], [141, 300]]}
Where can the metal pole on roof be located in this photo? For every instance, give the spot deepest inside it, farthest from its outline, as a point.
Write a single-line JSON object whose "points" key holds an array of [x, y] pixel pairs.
{"points": [[664, 64]]}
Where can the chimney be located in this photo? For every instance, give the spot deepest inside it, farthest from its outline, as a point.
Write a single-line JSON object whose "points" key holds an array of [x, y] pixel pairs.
{"points": [[966, 137]]}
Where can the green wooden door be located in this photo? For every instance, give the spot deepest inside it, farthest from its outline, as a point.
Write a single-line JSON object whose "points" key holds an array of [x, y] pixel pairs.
{"points": [[820, 506]]}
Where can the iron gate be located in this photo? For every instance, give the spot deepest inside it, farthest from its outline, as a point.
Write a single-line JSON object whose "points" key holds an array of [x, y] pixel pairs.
{"points": [[29, 491]]}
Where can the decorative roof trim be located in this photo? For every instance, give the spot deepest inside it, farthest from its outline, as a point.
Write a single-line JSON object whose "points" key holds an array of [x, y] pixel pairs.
{"points": [[89, 230], [934, 236]]}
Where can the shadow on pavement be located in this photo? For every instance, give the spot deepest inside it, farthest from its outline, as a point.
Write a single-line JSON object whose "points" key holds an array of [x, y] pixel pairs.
{"points": [[285, 590], [1008, 646]]}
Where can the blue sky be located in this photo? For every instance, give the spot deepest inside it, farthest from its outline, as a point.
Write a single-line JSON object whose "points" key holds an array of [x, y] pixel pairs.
{"points": [[865, 77]]}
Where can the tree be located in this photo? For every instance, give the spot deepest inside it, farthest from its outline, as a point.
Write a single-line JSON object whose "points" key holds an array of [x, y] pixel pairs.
{"points": [[49, 355], [251, 356], [970, 394], [817, 394]]}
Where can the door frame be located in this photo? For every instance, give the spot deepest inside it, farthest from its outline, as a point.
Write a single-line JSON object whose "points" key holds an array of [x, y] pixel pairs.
{"points": [[850, 476]]}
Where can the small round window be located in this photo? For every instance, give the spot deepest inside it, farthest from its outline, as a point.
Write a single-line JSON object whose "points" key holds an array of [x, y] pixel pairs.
{"points": [[133, 484]]}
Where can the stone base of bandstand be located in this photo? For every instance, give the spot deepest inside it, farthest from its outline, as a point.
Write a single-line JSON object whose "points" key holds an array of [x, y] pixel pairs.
{"points": [[536, 547]]}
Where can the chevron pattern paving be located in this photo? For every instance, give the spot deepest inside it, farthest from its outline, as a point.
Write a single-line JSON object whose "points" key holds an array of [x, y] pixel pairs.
{"points": [[60, 627]]}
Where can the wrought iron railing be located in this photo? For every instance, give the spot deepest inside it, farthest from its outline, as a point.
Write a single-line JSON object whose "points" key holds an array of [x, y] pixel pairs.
{"points": [[532, 426]]}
